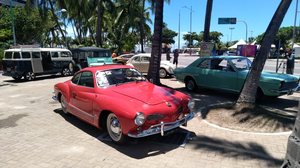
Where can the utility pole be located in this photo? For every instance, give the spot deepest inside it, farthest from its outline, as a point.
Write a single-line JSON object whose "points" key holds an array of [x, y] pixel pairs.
{"points": [[231, 28], [179, 31], [13, 23], [207, 20]]}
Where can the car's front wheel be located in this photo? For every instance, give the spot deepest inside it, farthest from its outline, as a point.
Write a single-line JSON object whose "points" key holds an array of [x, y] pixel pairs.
{"points": [[114, 129], [190, 84], [63, 104]]}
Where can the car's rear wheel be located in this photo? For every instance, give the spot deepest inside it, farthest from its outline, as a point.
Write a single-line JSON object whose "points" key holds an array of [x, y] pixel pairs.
{"points": [[114, 129], [29, 76], [162, 73], [63, 104], [190, 84]]}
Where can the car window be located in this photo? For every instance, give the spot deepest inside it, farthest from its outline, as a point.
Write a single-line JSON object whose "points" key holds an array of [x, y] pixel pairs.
{"points": [[36, 55], [86, 79], [205, 64], [241, 63], [145, 59], [54, 54], [65, 54], [8, 55], [118, 76], [136, 59], [75, 79], [25, 54], [17, 55]]}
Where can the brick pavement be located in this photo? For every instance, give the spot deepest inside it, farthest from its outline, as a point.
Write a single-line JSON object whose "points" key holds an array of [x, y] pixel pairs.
{"points": [[35, 133]]}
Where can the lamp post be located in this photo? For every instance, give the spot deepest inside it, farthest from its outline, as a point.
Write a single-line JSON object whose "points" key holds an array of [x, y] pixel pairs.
{"points": [[246, 29], [179, 31], [231, 28], [12, 22], [191, 10]]}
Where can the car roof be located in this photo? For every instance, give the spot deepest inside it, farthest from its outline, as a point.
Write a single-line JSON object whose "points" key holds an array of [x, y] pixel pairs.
{"points": [[105, 67], [224, 56]]}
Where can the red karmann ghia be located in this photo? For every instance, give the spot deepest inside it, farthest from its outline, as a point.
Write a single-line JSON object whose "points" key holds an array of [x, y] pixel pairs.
{"points": [[120, 99]]}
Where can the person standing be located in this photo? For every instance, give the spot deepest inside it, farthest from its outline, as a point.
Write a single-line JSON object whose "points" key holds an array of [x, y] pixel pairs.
{"points": [[290, 62], [175, 59]]}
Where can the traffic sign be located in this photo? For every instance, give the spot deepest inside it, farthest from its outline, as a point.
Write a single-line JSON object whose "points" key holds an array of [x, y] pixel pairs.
{"points": [[227, 21]]}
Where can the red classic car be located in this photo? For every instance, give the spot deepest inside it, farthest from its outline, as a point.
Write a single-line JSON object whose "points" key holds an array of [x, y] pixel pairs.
{"points": [[119, 99]]}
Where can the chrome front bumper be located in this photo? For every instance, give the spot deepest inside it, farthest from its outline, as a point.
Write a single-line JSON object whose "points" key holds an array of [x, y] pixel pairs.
{"points": [[163, 127]]}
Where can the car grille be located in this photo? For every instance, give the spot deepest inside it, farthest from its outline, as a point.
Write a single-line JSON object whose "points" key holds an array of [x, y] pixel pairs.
{"points": [[155, 117], [289, 85]]}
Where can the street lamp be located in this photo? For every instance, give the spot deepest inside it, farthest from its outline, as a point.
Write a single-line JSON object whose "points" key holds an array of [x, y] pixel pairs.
{"points": [[191, 10], [179, 31], [246, 28]]}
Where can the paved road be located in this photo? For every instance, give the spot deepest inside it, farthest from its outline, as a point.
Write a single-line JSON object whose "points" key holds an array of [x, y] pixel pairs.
{"points": [[34, 132]]}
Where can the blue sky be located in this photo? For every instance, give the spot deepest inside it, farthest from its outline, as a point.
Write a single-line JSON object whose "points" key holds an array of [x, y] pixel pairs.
{"points": [[256, 13]]}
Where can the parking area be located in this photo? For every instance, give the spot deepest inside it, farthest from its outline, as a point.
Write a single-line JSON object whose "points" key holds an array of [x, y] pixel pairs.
{"points": [[34, 132]]}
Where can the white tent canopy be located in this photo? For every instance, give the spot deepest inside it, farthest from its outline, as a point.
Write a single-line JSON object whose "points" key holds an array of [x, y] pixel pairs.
{"points": [[240, 42]]}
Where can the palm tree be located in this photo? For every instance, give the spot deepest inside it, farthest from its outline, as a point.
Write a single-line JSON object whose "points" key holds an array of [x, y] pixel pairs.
{"points": [[249, 90], [207, 20], [153, 72]]}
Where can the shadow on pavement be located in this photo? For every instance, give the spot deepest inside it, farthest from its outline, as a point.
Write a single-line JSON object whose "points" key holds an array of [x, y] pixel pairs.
{"points": [[11, 121], [38, 78], [231, 149], [135, 148]]}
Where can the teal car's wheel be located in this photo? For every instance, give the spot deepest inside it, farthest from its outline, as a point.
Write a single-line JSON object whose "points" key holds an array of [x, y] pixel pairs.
{"points": [[190, 84], [162, 73], [114, 129]]}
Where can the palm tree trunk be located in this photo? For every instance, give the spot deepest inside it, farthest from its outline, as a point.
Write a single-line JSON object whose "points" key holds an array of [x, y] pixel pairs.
{"points": [[99, 25], [153, 72], [249, 90], [142, 27]]}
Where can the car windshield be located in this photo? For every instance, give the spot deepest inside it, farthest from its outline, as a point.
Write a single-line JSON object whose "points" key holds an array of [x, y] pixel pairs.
{"points": [[241, 64], [118, 76]]}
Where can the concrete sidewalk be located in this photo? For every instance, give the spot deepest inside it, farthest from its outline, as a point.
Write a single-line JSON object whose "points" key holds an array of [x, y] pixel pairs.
{"points": [[35, 133]]}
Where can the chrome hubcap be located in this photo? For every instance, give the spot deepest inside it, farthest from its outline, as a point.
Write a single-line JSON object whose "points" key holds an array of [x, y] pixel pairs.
{"points": [[162, 73], [115, 126]]}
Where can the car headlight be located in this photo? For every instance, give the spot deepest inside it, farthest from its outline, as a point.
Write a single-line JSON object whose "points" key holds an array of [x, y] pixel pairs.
{"points": [[191, 104], [139, 119]]}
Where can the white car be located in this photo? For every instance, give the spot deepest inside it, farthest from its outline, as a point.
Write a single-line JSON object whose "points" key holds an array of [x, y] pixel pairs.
{"points": [[142, 61]]}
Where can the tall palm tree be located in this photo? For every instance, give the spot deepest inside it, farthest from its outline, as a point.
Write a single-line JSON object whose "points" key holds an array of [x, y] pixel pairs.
{"points": [[249, 90], [153, 72]]}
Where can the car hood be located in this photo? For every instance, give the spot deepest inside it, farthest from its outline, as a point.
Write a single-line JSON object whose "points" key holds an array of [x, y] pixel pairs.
{"points": [[146, 92], [279, 76]]}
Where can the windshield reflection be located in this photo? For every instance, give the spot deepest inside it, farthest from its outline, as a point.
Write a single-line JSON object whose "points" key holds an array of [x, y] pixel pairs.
{"points": [[118, 76]]}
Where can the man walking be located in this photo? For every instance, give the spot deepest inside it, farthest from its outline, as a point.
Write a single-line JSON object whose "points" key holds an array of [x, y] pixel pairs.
{"points": [[176, 54]]}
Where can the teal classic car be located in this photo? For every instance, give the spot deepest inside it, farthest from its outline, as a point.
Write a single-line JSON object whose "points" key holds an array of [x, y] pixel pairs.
{"points": [[229, 73]]}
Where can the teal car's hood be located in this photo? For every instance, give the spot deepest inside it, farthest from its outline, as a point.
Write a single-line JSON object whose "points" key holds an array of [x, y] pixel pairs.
{"points": [[279, 76]]}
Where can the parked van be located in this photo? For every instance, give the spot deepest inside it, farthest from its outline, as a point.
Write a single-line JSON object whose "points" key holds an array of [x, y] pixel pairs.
{"points": [[90, 56], [31, 62]]}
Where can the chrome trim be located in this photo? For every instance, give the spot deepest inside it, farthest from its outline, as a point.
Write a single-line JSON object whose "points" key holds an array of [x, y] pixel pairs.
{"points": [[55, 98], [163, 127]]}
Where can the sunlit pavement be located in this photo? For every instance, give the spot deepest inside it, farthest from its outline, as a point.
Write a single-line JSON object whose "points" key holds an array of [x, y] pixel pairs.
{"points": [[35, 133]]}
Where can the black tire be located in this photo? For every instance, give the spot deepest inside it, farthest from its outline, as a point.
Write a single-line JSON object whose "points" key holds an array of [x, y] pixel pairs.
{"points": [[114, 129], [190, 84], [259, 95], [163, 73], [63, 104], [29, 76]]}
